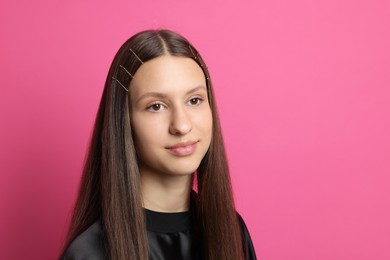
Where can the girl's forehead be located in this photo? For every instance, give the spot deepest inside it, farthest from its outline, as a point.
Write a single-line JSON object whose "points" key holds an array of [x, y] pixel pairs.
{"points": [[167, 74]]}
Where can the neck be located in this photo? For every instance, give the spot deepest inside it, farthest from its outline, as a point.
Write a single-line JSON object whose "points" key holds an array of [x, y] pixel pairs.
{"points": [[165, 193]]}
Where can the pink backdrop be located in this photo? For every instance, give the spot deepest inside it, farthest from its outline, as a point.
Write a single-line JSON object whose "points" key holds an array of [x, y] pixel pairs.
{"points": [[303, 91]]}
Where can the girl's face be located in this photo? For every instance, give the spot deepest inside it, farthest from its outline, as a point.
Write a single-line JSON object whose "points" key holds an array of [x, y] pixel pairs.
{"points": [[170, 115]]}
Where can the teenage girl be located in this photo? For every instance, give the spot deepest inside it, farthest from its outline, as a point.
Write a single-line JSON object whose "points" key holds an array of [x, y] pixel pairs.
{"points": [[157, 138]]}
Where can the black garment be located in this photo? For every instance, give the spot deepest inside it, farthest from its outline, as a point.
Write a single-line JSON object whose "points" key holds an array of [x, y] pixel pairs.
{"points": [[170, 236]]}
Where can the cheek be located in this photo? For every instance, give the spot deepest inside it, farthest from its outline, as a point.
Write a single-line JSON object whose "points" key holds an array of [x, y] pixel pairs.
{"points": [[205, 122], [140, 131], [146, 131]]}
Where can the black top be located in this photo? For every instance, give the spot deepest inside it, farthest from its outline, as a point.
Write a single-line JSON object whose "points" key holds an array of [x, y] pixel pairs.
{"points": [[170, 236]]}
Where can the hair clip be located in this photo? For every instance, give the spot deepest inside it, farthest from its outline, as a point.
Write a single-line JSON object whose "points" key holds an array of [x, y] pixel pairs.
{"points": [[198, 60], [192, 51], [120, 84], [126, 71], [136, 56]]}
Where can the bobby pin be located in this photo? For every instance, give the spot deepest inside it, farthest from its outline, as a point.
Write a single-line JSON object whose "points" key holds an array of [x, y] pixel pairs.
{"points": [[196, 58], [193, 54], [126, 71], [120, 84], [136, 56]]}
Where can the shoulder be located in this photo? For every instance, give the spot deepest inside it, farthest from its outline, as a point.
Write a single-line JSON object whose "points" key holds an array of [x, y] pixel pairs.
{"points": [[88, 245], [246, 240]]}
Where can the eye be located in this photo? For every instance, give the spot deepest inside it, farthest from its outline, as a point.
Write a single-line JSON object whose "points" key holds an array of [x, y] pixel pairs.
{"points": [[195, 101], [155, 107]]}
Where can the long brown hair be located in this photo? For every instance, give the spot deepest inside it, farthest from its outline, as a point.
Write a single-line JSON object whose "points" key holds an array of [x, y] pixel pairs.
{"points": [[110, 185]]}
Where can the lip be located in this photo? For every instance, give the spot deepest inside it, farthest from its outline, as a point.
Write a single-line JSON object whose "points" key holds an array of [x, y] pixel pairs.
{"points": [[183, 148]]}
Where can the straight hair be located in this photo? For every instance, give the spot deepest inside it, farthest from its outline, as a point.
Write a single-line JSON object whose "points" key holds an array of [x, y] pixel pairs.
{"points": [[110, 184]]}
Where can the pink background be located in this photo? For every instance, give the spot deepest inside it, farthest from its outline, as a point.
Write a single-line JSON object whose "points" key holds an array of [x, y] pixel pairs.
{"points": [[303, 92]]}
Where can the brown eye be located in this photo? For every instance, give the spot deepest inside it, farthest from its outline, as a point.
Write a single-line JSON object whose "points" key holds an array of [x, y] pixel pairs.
{"points": [[195, 101], [155, 107]]}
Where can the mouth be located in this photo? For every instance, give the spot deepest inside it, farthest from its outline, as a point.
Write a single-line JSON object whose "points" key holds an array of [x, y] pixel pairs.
{"points": [[183, 148]]}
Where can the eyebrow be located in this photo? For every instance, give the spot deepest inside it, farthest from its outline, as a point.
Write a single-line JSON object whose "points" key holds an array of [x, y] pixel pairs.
{"points": [[160, 95]]}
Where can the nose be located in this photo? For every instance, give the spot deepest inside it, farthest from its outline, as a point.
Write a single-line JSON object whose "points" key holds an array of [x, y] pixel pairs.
{"points": [[180, 122]]}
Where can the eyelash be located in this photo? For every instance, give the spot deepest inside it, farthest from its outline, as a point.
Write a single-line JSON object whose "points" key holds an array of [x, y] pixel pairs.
{"points": [[151, 107], [199, 100]]}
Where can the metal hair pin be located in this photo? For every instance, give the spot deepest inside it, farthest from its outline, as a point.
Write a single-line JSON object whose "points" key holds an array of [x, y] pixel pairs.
{"points": [[196, 57], [120, 84], [192, 51], [126, 71], [136, 56]]}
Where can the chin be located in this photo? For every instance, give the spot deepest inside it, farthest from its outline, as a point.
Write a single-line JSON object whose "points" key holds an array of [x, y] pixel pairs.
{"points": [[182, 166], [184, 170], [180, 172]]}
